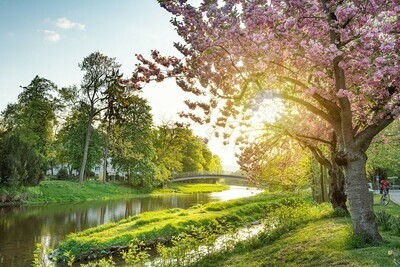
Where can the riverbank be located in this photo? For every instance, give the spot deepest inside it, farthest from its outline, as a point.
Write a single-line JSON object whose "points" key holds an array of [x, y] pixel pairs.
{"points": [[325, 242], [156, 227], [303, 234], [71, 191]]}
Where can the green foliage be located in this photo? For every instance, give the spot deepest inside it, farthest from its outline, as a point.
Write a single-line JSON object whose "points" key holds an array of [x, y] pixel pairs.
{"points": [[40, 257], [395, 225], [384, 220], [62, 174], [339, 212], [153, 226], [131, 147], [70, 142], [20, 163], [27, 134], [178, 150], [384, 152], [136, 255]]}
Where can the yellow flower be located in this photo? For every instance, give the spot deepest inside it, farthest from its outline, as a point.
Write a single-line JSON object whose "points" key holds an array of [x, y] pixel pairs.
{"points": [[390, 252]]}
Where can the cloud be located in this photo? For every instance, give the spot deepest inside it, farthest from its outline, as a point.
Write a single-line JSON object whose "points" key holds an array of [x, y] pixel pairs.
{"points": [[66, 24], [51, 36]]}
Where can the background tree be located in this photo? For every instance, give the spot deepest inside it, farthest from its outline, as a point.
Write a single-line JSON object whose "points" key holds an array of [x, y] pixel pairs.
{"points": [[100, 74], [339, 60], [384, 153], [168, 140], [131, 145], [178, 150], [70, 142], [28, 125]]}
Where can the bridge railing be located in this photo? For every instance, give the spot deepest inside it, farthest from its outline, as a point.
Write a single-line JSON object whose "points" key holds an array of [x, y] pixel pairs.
{"points": [[205, 173]]}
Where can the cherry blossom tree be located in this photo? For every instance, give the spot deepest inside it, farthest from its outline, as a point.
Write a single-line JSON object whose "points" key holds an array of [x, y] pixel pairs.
{"points": [[337, 59], [309, 133]]}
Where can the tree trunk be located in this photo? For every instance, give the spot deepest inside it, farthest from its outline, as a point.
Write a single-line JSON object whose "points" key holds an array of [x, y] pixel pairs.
{"points": [[337, 194], [361, 207], [108, 132], [86, 148], [322, 183], [105, 162]]}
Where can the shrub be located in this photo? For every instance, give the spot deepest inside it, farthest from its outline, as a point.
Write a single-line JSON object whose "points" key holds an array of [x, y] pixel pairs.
{"points": [[395, 223], [20, 163], [384, 220], [359, 241], [339, 212], [62, 174]]}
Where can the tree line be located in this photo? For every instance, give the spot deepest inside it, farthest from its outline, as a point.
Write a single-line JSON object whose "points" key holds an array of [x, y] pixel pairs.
{"points": [[100, 122]]}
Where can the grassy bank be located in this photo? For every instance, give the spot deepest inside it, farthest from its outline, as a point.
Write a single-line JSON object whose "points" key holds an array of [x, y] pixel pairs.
{"points": [[67, 191], [303, 234], [325, 242], [160, 226]]}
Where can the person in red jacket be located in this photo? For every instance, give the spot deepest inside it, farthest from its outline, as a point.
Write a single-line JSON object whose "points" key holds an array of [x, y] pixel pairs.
{"points": [[385, 186]]}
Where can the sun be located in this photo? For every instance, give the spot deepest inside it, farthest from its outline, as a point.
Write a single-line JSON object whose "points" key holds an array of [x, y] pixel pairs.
{"points": [[266, 111]]}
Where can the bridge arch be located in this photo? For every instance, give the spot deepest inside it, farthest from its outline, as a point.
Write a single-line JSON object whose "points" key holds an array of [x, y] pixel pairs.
{"points": [[185, 176]]}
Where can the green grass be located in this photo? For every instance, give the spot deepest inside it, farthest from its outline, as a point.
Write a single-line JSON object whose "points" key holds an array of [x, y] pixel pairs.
{"points": [[326, 242], [305, 235], [67, 191], [392, 208], [160, 226]]}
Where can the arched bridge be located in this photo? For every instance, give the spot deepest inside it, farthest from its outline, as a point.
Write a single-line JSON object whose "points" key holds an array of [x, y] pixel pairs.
{"points": [[184, 176]]}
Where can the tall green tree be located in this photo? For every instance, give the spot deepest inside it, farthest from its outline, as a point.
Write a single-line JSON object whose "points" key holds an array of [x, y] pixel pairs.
{"points": [[131, 147], [100, 74], [28, 125], [70, 142]]}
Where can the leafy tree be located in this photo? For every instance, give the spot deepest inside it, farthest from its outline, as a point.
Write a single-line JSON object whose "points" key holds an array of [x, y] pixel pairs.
{"points": [[337, 59], [29, 124], [20, 163], [70, 142], [214, 164], [100, 74], [168, 141], [384, 152], [131, 145], [311, 134], [193, 159]]}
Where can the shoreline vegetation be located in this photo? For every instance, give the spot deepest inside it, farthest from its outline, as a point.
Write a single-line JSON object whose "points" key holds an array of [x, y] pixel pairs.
{"points": [[73, 191], [297, 232]]}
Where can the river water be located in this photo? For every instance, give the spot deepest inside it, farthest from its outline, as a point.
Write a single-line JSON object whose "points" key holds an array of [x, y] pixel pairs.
{"points": [[22, 227]]}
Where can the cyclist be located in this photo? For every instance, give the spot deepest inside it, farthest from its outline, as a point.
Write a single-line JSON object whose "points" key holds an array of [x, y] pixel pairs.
{"points": [[384, 186]]}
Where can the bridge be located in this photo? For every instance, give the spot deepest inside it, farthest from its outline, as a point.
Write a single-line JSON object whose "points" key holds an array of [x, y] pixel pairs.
{"points": [[185, 176]]}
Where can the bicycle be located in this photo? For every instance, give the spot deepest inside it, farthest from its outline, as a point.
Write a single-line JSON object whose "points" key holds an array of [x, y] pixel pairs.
{"points": [[385, 198]]}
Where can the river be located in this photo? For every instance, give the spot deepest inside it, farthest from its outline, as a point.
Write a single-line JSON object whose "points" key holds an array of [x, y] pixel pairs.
{"points": [[24, 226]]}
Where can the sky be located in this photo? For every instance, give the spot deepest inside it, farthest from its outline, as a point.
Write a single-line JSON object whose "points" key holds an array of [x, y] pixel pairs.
{"points": [[49, 38]]}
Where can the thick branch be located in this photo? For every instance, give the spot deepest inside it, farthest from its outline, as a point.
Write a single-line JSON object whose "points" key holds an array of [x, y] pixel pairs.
{"points": [[364, 138]]}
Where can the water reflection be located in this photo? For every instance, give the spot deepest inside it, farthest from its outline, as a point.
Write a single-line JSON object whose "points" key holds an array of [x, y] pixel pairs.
{"points": [[22, 227]]}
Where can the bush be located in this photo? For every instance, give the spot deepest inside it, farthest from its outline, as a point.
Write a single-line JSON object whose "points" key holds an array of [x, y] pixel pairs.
{"points": [[62, 174], [20, 163], [360, 241], [395, 223], [384, 220], [339, 212]]}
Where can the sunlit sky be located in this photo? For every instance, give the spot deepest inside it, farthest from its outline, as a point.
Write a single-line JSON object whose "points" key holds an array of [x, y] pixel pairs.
{"points": [[49, 38]]}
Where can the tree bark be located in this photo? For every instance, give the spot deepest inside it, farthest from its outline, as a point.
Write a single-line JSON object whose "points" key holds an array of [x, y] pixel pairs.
{"points": [[105, 162], [361, 207], [86, 147], [337, 194]]}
